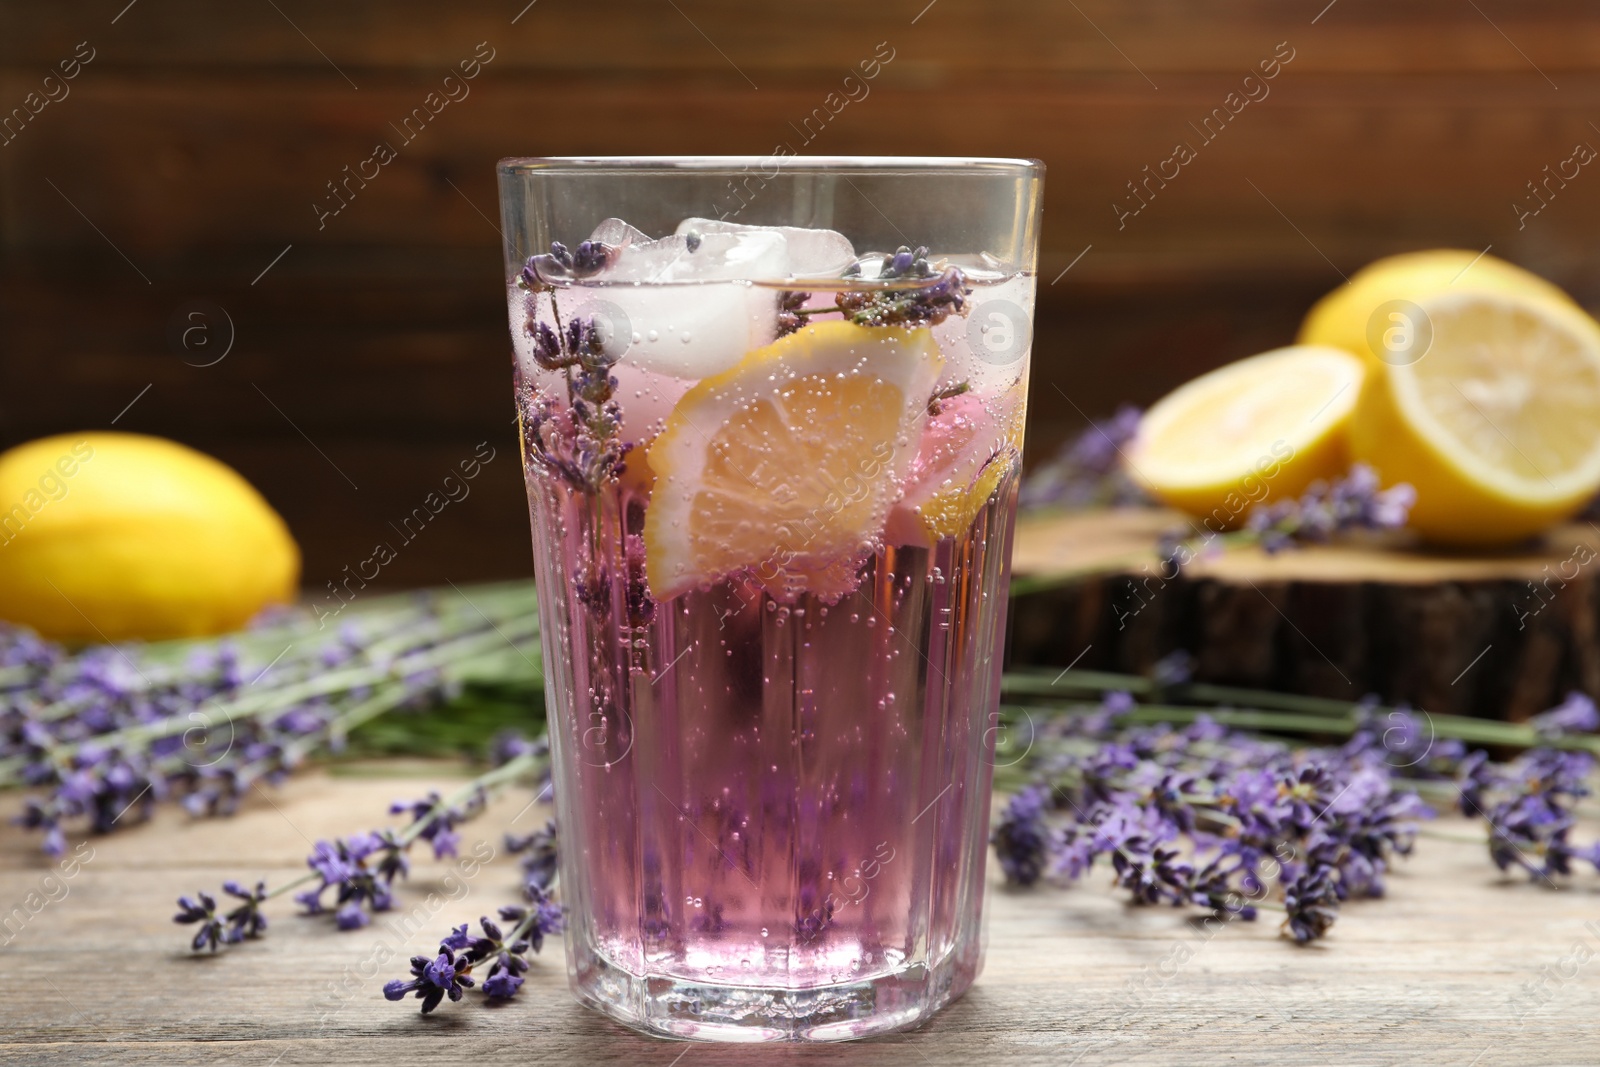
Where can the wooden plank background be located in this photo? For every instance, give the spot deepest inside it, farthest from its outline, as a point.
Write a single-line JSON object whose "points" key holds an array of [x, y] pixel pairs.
{"points": [[1458, 966], [372, 354]]}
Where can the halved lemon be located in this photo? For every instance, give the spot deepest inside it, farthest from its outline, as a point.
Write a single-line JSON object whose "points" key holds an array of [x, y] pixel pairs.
{"points": [[1261, 428], [787, 464], [1367, 315], [1497, 424]]}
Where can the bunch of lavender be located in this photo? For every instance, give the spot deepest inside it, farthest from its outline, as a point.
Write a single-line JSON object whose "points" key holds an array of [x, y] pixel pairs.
{"points": [[1191, 810], [1209, 817], [352, 878], [1088, 470], [105, 735]]}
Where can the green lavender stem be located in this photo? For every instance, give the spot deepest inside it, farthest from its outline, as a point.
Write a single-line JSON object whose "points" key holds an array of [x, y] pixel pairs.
{"points": [[1265, 710], [505, 601], [454, 657]]}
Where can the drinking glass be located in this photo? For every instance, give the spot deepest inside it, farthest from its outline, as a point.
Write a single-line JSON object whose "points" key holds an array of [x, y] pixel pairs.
{"points": [[771, 417]]}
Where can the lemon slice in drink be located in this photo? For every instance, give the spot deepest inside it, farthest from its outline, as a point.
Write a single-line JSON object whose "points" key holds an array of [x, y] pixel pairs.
{"points": [[967, 448], [1496, 424], [787, 464], [1263, 427]]}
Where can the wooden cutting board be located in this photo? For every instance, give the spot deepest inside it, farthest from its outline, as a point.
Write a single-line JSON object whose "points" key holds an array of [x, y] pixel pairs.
{"points": [[1497, 634]]}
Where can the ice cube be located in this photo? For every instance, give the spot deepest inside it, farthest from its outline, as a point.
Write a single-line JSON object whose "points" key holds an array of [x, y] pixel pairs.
{"points": [[618, 234], [746, 255], [809, 252], [683, 330], [646, 261]]}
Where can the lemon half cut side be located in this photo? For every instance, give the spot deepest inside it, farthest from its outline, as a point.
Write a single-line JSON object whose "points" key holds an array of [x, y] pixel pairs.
{"points": [[1497, 425], [1361, 314], [1261, 428]]}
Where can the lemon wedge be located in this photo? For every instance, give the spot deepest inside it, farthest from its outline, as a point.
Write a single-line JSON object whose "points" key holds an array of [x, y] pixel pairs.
{"points": [[1496, 424], [787, 463], [967, 448], [1260, 428]]}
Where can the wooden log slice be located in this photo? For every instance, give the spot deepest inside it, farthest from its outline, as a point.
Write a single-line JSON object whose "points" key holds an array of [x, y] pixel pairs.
{"points": [[1495, 634]]}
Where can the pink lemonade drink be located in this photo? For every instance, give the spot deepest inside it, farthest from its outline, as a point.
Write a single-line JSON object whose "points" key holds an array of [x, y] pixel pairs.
{"points": [[772, 478]]}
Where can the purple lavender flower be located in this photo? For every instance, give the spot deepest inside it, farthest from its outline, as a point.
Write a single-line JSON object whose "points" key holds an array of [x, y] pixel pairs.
{"points": [[906, 263], [505, 953], [1214, 887], [39, 815], [202, 909], [457, 939], [1528, 806], [508, 745], [1174, 669], [1355, 502], [1575, 715], [548, 351], [360, 887], [433, 979], [540, 846], [1088, 471], [579, 443], [1021, 838], [1312, 903], [1200, 816], [540, 918], [791, 311], [1308, 793], [106, 735], [938, 296], [1403, 739], [507, 956], [1154, 876], [560, 266], [502, 985], [245, 920], [437, 820]]}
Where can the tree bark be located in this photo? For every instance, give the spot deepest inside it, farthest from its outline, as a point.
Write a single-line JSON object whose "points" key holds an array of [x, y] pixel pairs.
{"points": [[1495, 634]]}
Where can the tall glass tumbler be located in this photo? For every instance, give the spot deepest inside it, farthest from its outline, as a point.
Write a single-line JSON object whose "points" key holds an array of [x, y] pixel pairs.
{"points": [[771, 419]]}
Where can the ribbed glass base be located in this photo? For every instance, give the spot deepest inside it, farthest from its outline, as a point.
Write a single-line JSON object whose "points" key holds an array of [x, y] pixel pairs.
{"points": [[671, 1007]]}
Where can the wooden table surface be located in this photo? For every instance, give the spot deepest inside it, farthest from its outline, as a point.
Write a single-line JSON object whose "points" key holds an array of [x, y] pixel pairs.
{"points": [[1457, 966]]}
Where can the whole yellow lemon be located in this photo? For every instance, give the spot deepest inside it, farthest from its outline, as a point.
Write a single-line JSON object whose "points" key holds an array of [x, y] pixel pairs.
{"points": [[108, 536]]}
